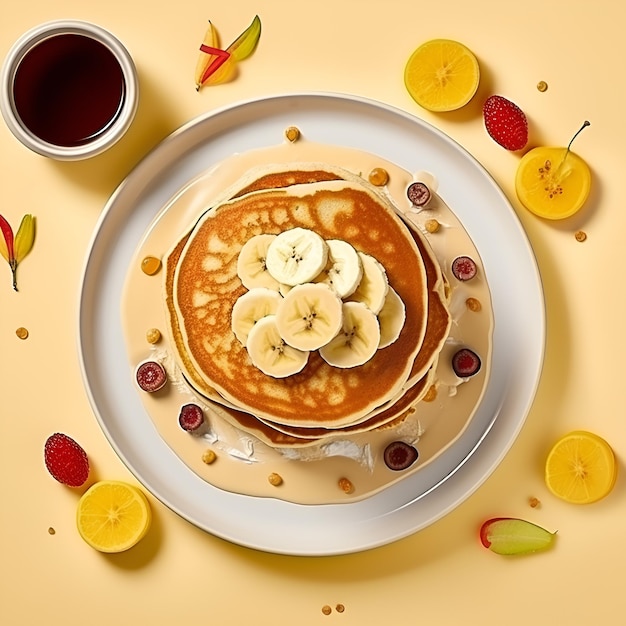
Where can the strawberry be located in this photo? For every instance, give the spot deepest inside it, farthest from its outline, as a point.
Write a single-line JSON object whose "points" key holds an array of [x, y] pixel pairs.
{"points": [[66, 460], [505, 122]]}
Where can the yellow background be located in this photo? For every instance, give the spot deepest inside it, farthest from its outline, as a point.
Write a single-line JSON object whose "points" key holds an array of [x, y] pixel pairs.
{"points": [[442, 575]]}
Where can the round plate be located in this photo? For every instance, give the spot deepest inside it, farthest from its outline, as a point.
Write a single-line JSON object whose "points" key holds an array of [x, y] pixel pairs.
{"points": [[422, 498]]}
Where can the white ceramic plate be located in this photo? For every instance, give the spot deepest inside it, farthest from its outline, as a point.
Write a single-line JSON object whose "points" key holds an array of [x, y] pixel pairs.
{"points": [[410, 505]]}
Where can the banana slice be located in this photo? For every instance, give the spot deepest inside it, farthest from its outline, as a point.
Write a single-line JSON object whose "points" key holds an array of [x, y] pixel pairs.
{"points": [[296, 256], [343, 271], [357, 340], [270, 353], [250, 308], [372, 289], [391, 318], [309, 316], [251, 263]]}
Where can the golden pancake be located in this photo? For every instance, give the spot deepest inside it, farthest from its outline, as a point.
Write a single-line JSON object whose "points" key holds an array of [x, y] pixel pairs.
{"points": [[206, 286]]}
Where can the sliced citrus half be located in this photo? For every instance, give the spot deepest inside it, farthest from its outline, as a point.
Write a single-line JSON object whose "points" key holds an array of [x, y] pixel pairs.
{"points": [[113, 516], [552, 182], [442, 75], [581, 468]]}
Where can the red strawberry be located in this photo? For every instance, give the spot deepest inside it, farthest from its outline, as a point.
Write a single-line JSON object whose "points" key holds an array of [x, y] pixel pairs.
{"points": [[505, 122], [66, 460]]}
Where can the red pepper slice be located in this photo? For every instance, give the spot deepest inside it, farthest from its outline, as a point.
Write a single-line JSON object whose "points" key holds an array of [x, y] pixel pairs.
{"points": [[221, 56]]}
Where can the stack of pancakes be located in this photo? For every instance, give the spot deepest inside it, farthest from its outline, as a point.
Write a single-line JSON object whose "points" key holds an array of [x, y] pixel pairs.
{"points": [[321, 401]]}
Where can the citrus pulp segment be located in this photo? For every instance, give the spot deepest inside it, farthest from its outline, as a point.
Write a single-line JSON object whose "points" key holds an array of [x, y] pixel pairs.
{"points": [[580, 468], [113, 516], [442, 75]]}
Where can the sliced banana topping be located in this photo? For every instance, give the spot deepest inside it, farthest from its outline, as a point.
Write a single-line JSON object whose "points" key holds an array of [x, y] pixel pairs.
{"points": [[391, 318], [251, 263], [357, 340], [343, 271], [296, 256], [372, 289], [250, 308], [270, 353], [309, 316]]}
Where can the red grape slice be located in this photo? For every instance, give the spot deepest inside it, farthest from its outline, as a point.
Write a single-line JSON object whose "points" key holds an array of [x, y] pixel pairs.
{"points": [[151, 376], [418, 193], [464, 268], [191, 417], [465, 363], [399, 455]]}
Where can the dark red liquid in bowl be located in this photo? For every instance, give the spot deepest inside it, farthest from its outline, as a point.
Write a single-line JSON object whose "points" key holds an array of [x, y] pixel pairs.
{"points": [[69, 89]]}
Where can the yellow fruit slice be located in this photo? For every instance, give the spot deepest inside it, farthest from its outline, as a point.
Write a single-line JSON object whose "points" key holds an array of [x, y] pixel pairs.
{"points": [[442, 75], [113, 516], [581, 468], [552, 182]]}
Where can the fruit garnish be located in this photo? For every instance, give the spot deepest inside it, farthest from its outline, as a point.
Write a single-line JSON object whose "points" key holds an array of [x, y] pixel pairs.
{"points": [[505, 122], [442, 75], [553, 183], [113, 516], [581, 468], [465, 363], [508, 535], [151, 376], [66, 460], [14, 249], [399, 455], [214, 65], [418, 193], [191, 417], [464, 268]]}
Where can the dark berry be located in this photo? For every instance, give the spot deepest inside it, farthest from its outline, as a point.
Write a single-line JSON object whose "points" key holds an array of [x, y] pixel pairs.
{"points": [[151, 376], [191, 417], [464, 268], [399, 455], [418, 194], [465, 363]]}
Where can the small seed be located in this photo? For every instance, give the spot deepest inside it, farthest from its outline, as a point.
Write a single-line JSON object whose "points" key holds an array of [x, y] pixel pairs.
{"points": [[292, 134], [379, 176], [432, 226], [22, 332], [473, 304], [340, 608], [51, 531], [326, 610], [153, 335], [345, 485], [208, 456], [150, 265], [542, 86], [275, 479], [580, 235], [534, 502]]}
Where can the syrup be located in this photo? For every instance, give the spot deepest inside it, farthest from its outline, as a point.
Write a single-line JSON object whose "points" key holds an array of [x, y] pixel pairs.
{"points": [[69, 89]]}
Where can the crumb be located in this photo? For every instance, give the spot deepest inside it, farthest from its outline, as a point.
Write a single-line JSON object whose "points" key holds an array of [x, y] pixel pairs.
{"points": [[473, 305], [542, 86], [208, 457], [275, 479], [51, 531], [292, 134], [534, 502], [432, 226], [153, 335], [326, 610], [378, 176], [580, 235], [345, 485], [340, 608], [22, 332]]}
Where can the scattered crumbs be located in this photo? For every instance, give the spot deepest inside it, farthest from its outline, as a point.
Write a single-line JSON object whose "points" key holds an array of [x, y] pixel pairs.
{"points": [[51, 531], [345, 485], [340, 608], [22, 332], [275, 479], [150, 265], [542, 86], [431, 394], [534, 502], [432, 226], [153, 335], [326, 610], [473, 304], [580, 235], [208, 456], [292, 134], [379, 177]]}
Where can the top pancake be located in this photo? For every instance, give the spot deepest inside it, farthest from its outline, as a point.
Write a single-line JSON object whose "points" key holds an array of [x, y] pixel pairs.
{"points": [[206, 286]]}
